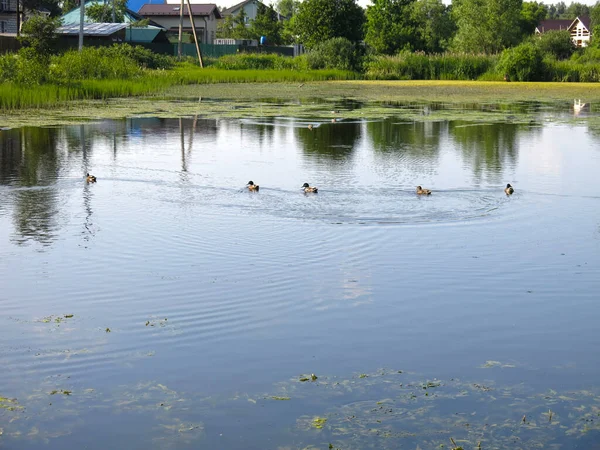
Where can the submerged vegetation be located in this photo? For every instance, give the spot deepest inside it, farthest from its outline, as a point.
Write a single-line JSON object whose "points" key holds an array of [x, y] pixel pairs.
{"points": [[378, 411]]}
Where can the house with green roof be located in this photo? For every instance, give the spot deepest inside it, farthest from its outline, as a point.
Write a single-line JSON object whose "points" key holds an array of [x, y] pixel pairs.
{"points": [[141, 34]]}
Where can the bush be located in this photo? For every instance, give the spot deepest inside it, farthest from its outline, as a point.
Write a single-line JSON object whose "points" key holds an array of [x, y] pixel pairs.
{"points": [[252, 61], [8, 67], [556, 43], [142, 56], [39, 34], [522, 63], [30, 68], [337, 53], [92, 63]]}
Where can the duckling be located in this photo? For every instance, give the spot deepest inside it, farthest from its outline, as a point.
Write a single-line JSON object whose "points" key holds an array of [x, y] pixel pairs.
{"points": [[310, 127], [252, 187], [421, 191], [90, 178], [508, 189], [306, 187]]}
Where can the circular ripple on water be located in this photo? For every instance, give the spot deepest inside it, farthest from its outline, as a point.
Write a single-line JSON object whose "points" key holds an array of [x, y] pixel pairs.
{"points": [[374, 206]]}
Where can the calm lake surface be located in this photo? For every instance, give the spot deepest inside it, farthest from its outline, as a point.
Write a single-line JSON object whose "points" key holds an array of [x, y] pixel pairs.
{"points": [[167, 307]]}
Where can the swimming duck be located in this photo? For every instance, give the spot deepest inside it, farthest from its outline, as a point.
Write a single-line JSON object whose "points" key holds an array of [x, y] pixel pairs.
{"points": [[421, 191], [90, 178], [306, 187], [508, 189], [252, 187]]}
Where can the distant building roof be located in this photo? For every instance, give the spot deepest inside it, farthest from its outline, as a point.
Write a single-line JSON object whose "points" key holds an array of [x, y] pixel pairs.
{"points": [[92, 29], [554, 25], [232, 9], [151, 9], [562, 24], [586, 21]]}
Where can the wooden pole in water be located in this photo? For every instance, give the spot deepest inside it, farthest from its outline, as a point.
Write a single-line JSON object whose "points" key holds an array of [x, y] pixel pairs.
{"points": [[179, 42], [194, 31]]}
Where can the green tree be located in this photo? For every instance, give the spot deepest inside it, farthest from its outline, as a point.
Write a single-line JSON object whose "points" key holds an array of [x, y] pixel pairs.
{"points": [[38, 33], [69, 5], [320, 20], [240, 30], [101, 13], [595, 15], [559, 10], [225, 28], [556, 43], [288, 8], [32, 6], [576, 9], [336, 53], [436, 27], [267, 24], [532, 13], [487, 26], [391, 26], [523, 62]]}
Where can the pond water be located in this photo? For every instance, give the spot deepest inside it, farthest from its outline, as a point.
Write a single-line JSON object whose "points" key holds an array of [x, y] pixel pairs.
{"points": [[165, 306]]}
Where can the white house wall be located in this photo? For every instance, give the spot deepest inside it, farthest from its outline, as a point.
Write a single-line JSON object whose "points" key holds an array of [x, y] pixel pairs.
{"points": [[580, 35]]}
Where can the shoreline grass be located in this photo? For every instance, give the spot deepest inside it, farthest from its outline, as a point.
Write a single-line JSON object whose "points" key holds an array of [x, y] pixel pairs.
{"points": [[314, 100], [13, 96]]}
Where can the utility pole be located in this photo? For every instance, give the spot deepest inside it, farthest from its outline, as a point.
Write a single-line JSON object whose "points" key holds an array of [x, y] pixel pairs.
{"points": [[179, 43], [81, 19], [18, 20], [194, 31]]}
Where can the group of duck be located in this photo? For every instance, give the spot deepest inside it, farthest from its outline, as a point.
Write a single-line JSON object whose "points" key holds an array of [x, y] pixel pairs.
{"points": [[308, 189], [305, 187]]}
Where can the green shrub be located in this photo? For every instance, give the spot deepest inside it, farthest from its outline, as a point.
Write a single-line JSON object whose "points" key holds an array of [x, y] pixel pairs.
{"points": [[337, 53], [587, 55], [8, 67], [30, 68], [39, 34], [571, 71], [522, 63], [556, 43], [142, 56], [252, 61], [92, 63]]}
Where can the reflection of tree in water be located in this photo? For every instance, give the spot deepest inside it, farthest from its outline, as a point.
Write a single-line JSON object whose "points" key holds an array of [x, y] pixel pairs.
{"points": [[331, 143], [263, 132], [488, 148], [29, 159], [412, 145]]}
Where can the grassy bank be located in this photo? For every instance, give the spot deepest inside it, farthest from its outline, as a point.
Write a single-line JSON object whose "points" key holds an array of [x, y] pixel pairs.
{"points": [[15, 96], [490, 101]]}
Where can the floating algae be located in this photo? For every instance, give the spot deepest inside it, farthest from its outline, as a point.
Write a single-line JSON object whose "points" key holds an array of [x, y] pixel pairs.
{"points": [[9, 404]]}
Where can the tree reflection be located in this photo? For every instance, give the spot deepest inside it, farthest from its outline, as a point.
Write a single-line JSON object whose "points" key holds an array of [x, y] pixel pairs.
{"points": [[29, 159], [487, 147], [332, 143], [410, 145]]}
